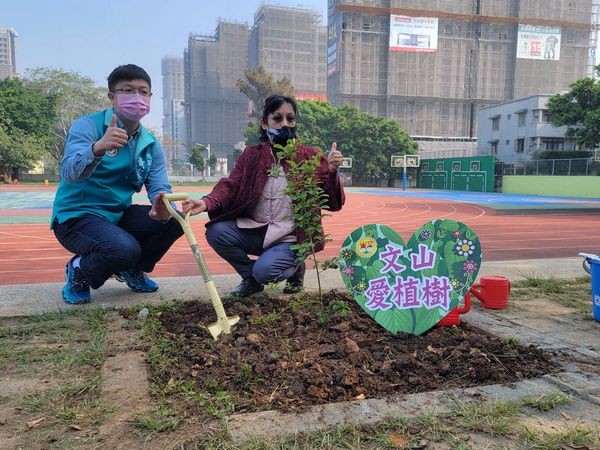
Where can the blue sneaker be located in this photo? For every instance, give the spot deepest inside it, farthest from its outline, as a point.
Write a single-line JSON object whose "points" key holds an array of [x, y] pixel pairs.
{"points": [[137, 280], [77, 289]]}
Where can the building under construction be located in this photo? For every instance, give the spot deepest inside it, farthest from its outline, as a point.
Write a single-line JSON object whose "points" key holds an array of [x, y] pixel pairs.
{"points": [[290, 42], [215, 108], [286, 41], [431, 64]]}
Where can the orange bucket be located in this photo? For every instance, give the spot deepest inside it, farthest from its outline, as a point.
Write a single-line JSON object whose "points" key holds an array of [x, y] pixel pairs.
{"points": [[492, 292], [452, 318]]}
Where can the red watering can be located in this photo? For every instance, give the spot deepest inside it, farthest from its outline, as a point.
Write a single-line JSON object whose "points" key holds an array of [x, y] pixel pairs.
{"points": [[492, 292], [452, 317]]}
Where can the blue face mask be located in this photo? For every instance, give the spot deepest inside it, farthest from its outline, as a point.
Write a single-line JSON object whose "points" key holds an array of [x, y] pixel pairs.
{"points": [[282, 135]]}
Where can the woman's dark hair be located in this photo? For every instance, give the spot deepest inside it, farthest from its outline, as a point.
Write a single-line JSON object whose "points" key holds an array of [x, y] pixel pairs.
{"points": [[127, 72], [272, 104]]}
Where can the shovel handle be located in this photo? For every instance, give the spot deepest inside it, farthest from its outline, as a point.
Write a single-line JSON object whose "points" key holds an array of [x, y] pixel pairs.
{"points": [[223, 323], [183, 221], [176, 197]]}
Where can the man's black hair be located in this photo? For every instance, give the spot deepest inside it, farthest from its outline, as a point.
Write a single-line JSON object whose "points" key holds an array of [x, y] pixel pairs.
{"points": [[127, 72]]}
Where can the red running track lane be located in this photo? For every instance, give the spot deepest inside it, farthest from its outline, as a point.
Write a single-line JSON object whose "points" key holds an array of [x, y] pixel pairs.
{"points": [[29, 253]]}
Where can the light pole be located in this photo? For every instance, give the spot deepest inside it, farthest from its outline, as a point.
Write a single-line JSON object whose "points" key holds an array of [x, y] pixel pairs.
{"points": [[191, 167], [207, 147], [189, 163]]}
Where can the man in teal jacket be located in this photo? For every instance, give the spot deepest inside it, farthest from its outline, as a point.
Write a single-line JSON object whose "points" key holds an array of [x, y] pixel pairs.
{"points": [[108, 157]]}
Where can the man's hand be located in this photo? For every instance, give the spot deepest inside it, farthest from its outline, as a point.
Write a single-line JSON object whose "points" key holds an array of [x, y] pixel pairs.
{"points": [[334, 158], [193, 206], [159, 210], [114, 138]]}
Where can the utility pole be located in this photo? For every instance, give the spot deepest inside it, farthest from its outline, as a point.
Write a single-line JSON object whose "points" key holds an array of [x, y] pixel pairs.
{"points": [[208, 160]]}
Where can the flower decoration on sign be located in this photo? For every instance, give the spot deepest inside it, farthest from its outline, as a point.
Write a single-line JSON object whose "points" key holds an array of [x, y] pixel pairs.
{"points": [[410, 287]]}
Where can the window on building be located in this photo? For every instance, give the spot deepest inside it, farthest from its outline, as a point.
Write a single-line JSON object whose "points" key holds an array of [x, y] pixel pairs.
{"points": [[546, 116], [495, 123], [532, 142], [552, 143], [520, 145], [455, 166], [521, 118], [367, 25], [494, 147], [439, 167], [475, 166]]}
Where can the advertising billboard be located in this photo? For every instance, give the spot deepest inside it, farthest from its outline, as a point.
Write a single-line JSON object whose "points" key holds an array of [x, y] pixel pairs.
{"points": [[413, 34], [538, 42]]}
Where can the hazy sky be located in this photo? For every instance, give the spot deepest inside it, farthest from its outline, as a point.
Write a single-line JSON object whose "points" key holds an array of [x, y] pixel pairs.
{"points": [[92, 37]]}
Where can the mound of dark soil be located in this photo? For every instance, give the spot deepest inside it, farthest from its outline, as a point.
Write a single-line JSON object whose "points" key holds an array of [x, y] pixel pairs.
{"points": [[289, 353]]}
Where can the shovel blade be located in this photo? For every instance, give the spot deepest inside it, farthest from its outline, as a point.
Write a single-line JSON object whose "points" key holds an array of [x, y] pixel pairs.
{"points": [[222, 325]]}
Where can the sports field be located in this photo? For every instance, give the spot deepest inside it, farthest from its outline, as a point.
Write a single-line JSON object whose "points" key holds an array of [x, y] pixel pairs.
{"points": [[509, 227]]}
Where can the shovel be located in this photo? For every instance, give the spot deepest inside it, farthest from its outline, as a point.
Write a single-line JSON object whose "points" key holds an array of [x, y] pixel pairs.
{"points": [[223, 323]]}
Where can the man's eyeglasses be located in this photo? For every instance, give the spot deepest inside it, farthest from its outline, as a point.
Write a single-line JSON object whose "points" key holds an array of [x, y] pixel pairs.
{"points": [[130, 91]]}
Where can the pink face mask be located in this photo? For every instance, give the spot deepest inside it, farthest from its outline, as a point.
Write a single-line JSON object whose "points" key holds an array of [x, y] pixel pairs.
{"points": [[133, 106]]}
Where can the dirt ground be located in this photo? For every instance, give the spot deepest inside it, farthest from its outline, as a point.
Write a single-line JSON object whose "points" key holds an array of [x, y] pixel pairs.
{"points": [[290, 354], [286, 353]]}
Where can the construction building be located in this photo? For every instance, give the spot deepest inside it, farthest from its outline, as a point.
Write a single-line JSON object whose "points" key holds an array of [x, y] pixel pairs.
{"points": [[291, 42], [173, 123], [8, 53], [215, 108], [286, 41], [432, 64]]}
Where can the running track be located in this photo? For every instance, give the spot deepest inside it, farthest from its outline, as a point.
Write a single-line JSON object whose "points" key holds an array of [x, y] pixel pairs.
{"points": [[30, 254]]}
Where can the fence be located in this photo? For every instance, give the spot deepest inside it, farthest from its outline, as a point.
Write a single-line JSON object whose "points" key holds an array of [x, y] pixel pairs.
{"points": [[579, 166]]}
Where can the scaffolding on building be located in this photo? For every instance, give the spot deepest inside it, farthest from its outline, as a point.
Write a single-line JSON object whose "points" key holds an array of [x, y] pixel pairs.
{"points": [[594, 38], [474, 64]]}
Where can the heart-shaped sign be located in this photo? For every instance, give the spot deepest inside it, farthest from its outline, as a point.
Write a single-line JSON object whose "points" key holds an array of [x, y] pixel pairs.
{"points": [[410, 287]]}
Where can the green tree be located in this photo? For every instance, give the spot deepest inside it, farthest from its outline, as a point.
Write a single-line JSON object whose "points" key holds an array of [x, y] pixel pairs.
{"points": [[198, 159], [26, 117], [26, 109], [259, 85], [368, 139], [75, 95], [579, 110], [212, 163], [307, 199], [18, 149]]}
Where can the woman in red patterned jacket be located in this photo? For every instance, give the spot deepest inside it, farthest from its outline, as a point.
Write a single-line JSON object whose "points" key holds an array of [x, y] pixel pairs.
{"points": [[250, 214]]}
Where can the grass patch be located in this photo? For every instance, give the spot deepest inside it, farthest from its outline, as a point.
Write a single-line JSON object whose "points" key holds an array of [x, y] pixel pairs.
{"points": [[572, 437], [158, 420], [495, 418], [44, 401], [437, 427], [67, 347], [546, 402], [54, 342], [572, 293], [76, 401]]}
